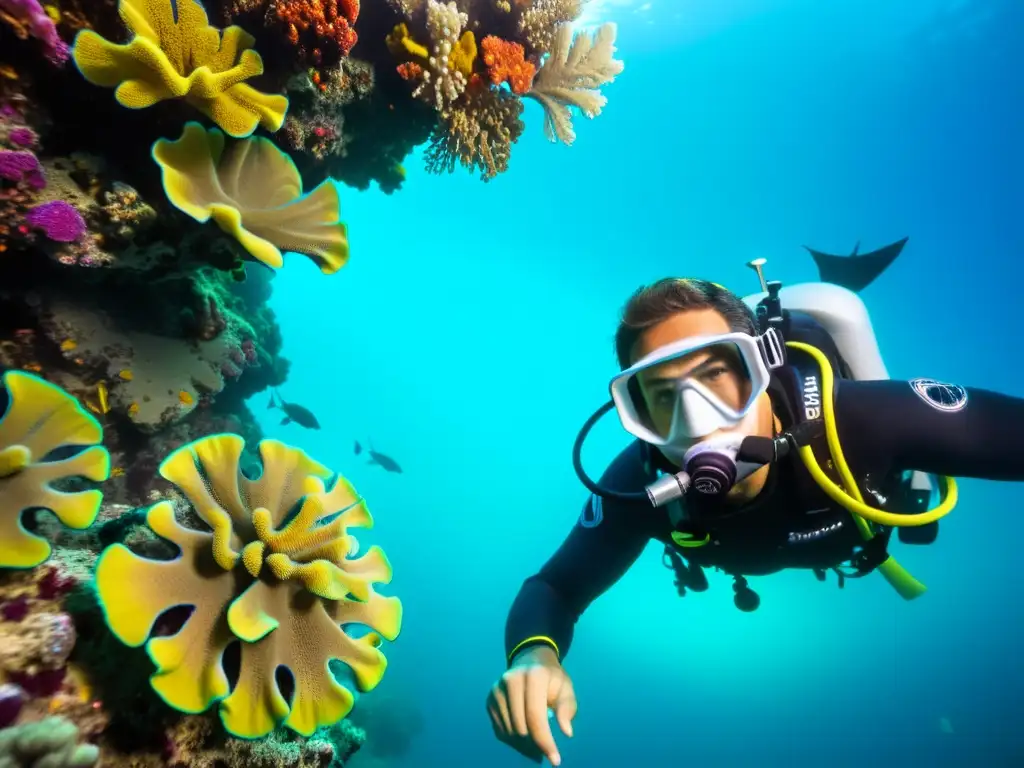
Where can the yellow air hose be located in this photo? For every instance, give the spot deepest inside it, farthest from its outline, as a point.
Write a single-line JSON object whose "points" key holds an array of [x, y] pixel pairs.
{"points": [[850, 497]]}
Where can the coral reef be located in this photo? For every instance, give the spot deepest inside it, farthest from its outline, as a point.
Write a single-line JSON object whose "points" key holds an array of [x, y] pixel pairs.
{"points": [[280, 581], [448, 72], [139, 239], [254, 192], [479, 121], [38, 427], [269, 565], [175, 53]]}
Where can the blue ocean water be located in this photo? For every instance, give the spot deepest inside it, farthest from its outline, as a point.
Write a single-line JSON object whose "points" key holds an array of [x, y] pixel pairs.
{"points": [[471, 335]]}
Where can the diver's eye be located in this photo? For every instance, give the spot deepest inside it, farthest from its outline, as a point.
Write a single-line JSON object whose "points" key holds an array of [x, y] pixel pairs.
{"points": [[714, 373]]}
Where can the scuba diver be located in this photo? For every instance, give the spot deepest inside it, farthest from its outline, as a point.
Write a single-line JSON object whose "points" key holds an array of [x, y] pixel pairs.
{"points": [[768, 437]]}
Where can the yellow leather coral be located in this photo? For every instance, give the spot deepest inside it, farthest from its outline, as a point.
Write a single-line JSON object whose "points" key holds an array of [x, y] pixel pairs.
{"points": [[175, 53], [275, 573], [41, 419], [254, 192]]}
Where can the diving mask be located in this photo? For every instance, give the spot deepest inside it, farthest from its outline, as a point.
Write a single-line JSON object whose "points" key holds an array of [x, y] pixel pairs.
{"points": [[683, 392]]}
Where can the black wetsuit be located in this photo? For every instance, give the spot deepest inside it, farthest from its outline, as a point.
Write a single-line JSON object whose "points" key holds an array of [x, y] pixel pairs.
{"points": [[886, 428]]}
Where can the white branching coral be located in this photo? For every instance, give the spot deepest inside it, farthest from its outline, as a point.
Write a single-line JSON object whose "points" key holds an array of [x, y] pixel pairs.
{"points": [[541, 18], [571, 76], [442, 83]]}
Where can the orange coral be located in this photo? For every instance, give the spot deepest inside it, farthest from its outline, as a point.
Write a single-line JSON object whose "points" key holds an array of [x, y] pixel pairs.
{"points": [[410, 70], [506, 62], [322, 30]]}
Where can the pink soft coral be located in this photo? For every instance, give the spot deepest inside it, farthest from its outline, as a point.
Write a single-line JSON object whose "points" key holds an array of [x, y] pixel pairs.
{"points": [[28, 18], [58, 219]]}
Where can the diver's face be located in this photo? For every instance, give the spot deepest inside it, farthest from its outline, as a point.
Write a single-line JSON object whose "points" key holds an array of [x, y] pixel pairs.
{"points": [[718, 368]]}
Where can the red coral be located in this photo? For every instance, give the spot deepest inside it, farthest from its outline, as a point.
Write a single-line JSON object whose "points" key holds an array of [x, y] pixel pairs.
{"points": [[53, 584], [506, 62], [322, 30], [410, 70], [15, 609]]}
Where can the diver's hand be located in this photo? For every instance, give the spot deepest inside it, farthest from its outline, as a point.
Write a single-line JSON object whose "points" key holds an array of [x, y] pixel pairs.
{"points": [[518, 704]]}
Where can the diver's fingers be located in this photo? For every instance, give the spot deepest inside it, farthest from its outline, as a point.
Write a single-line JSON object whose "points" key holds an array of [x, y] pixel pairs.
{"points": [[565, 707], [496, 722], [522, 745], [497, 705], [515, 688], [537, 686]]}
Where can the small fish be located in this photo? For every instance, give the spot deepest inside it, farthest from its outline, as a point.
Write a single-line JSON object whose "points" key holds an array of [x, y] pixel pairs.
{"points": [[34, 367], [133, 409], [102, 396], [67, 345], [359, 448], [126, 375], [292, 412], [383, 461], [116, 471], [185, 398]]}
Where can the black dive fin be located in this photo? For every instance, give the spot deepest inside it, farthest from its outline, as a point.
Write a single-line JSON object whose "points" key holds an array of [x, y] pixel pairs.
{"points": [[857, 271]]}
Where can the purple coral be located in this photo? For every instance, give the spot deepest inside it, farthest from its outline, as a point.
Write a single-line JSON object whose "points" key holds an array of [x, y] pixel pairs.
{"points": [[21, 165], [22, 137], [29, 14], [58, 219]]}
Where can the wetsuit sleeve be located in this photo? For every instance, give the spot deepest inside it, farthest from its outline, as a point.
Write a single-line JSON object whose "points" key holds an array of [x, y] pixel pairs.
{"points": [[932, 427], [590, 560]]}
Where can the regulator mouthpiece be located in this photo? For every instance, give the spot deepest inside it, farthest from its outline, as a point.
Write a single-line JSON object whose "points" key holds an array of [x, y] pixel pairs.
{"points": [[712, 473], [713, 467]]}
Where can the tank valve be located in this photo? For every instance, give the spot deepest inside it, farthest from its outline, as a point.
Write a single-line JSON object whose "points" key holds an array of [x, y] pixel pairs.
{"points": [[756, 265]]}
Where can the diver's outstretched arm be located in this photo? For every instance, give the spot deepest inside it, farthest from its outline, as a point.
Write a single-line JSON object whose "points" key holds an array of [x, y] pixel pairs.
{"points": [[591, 559], [932, 427]]}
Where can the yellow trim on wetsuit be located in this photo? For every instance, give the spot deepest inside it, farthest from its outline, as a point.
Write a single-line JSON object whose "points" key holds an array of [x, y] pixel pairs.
{"points": [[850, 497], [535, 639]]}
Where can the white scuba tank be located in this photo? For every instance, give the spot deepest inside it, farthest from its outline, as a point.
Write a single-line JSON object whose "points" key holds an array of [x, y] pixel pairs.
{"points": [[843, 314]]}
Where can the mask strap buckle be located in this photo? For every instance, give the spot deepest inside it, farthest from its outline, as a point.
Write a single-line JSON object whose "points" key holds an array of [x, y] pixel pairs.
{"points": [[772, 348]]}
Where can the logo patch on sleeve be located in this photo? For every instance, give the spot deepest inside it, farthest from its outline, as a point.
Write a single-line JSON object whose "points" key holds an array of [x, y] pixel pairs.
{"points": [[949, 398]]}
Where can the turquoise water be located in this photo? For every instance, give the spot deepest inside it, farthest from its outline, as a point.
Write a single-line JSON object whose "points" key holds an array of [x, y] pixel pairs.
{"points": [[470, 336]]}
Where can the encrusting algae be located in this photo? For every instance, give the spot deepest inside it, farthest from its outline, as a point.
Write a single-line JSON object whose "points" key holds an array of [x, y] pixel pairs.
{"points": [[42, 419], [274, 573]]}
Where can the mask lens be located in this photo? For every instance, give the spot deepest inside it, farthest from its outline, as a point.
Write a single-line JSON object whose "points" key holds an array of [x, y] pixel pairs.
{"points": [[713, 382]]}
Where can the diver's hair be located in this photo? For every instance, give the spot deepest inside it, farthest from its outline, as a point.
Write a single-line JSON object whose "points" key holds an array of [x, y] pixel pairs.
{"points": [[659, 301]]}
